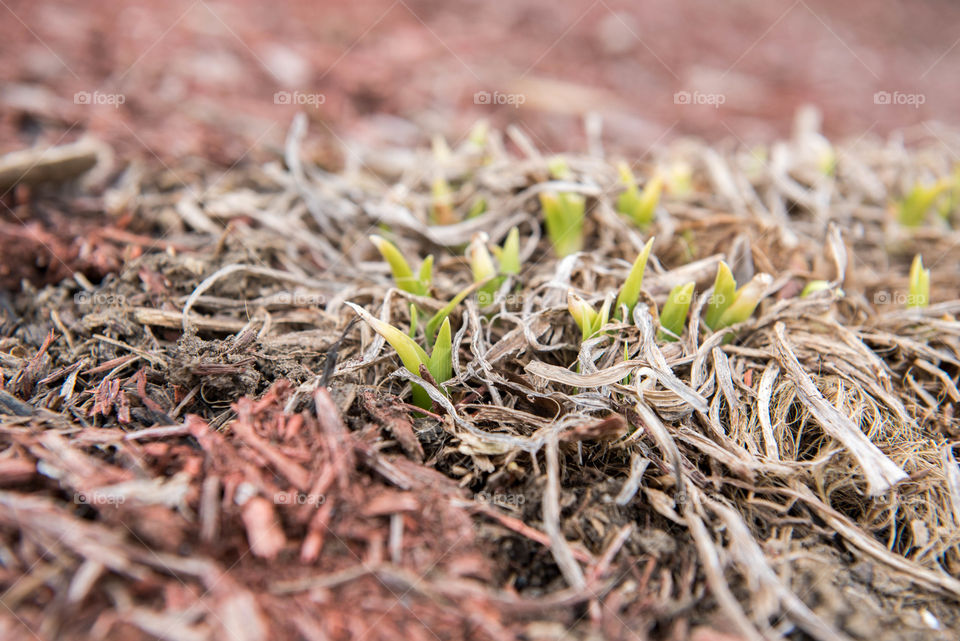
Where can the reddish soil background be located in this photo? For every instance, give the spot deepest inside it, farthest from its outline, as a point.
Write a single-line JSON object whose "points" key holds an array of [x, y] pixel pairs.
{"points": [[198, 78]]}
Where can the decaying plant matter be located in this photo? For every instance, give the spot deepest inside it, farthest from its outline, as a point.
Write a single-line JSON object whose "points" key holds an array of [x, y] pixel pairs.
{"points": [[208, 445]]}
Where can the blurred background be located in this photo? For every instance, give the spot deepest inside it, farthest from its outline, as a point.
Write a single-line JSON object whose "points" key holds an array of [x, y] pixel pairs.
{"points": [[221, 80]]}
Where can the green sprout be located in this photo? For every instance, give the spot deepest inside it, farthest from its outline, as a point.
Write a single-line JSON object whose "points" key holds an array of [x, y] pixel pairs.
{"points": [[919, 295], [630, 292], [912, 210], [509, 255], [486, 276], [437, 319], [418, 285], [724, 289], [482, 268], [674, 313], [639, 206], [563, 214], [949, 205], [479, 134], [439, 364], [745, 301], [481, 262], [441, 210], [478, 207], [414, 320], [827, 160], [558, 168], [589, 320], [813, 287], [679, 180]]}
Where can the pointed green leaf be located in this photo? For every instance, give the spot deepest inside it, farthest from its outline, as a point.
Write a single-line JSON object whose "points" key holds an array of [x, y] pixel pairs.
{"points": [[674, 312], [626, 176], [913, 209], [924, 296], [630, 292], [402, 274], [919, 295], [420, 397], [679, 181], [626, 357], [414, 318], [440, 316], [583, 314], [478, 133], [603, 316], [441, 363], [629, 200], [724, 290], [563, 216], [649, 199], [558, 168], [425, 276], [411, 354], [745, 301], [441, 211], [510, 254], [813, 287], [478, 207], [640, 207], [481, 263]]}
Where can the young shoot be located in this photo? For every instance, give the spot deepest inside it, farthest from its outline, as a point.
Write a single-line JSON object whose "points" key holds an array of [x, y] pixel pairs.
{"points": [[630, 292], [639, 206], [919, 294], [813, 287], [950, 205], [479, 134], [439, 363], [487, 276], [912, 210], [674, 313], [482, 267], [679, 179], [509, 255], [441, 209], [589, 320], [563, 215], [724, 289], [437, 319], [745, 301], [559, 169], [478, 207], [403, 276]]}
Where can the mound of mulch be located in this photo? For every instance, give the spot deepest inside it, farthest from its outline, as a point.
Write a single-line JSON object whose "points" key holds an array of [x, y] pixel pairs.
{"points": [[199, 440]]}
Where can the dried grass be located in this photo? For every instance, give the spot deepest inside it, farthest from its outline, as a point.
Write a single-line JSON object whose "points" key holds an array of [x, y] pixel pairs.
{"points": [[766, 480]]}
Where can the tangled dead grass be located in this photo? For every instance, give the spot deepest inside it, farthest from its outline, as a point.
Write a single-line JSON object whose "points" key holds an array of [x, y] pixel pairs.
{"points": [[205, 445]]}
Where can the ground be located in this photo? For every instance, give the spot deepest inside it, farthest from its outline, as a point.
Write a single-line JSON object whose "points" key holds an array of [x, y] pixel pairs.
{"points": [[202, 439]]}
